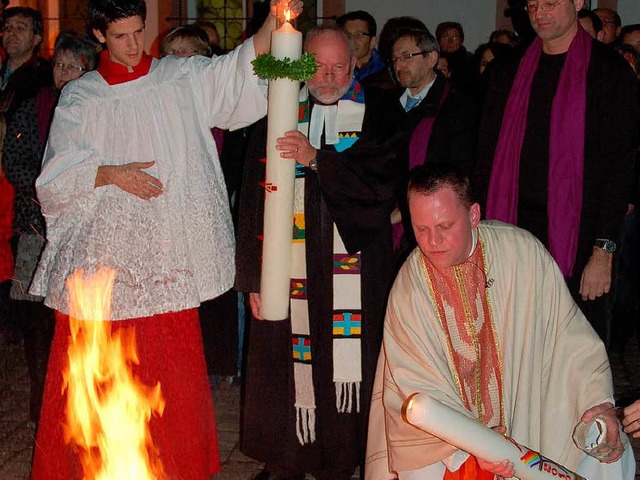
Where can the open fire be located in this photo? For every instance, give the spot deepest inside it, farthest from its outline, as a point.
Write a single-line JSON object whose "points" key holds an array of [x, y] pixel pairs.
{"points": [[108, 408]]}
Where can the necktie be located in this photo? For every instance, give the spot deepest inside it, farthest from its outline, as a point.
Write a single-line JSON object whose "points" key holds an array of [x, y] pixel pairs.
{"points": [[411, 102]]}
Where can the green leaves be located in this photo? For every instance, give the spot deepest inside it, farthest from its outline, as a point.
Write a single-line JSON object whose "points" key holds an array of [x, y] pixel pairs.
{"points": [[268, 67]]}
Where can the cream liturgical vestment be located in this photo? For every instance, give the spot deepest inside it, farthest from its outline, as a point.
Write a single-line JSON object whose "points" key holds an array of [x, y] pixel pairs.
{"points": [[498, 338], [176, 250]]}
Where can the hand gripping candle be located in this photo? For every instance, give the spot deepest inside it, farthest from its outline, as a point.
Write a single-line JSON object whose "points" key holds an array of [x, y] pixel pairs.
{"points": [[473, 437], [286, 42]]}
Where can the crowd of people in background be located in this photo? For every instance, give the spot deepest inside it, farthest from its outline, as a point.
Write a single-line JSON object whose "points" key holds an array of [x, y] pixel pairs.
{"points": [[404, 136]]}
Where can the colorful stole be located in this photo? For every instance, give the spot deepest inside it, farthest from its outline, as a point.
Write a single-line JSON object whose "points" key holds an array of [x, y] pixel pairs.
{"points": [[459, 292], [346, 121], [566, 149]]}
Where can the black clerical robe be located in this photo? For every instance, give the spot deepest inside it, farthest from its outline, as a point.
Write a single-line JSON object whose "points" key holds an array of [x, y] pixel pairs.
{"points": [[610, 145], [354, 189]]}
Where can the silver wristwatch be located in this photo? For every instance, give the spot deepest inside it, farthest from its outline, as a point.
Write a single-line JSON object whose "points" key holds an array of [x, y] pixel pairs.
{"points": [[605, 244], [313, 164]]}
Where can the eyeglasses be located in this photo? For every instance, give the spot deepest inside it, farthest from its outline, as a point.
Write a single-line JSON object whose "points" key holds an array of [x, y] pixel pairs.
{"points": [[15, 28], [358, 35], [533, 7], [70, 67], [453, 38], [338, 71], [407, 56], [182, 52]]}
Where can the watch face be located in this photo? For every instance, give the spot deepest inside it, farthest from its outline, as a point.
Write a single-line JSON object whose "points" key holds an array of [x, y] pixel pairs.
{"points": [[606, 245]]}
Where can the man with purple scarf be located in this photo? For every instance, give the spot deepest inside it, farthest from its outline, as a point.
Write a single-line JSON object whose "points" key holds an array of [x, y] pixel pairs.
{"points": [[441, 121], [556, 149]]}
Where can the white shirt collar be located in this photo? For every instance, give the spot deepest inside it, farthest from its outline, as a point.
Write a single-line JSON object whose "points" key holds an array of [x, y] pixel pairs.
{"points": [[421, 94]]}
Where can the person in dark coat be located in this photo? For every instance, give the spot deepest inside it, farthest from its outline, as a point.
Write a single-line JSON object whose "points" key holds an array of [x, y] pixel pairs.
{"points": [[27, 134], [450, 36], [441, 121], [317, 407], [556, 150]]}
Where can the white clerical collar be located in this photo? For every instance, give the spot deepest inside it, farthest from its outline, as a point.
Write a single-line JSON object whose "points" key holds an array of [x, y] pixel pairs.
{"points": [[323, 117], [421, 94], [474, 241]]}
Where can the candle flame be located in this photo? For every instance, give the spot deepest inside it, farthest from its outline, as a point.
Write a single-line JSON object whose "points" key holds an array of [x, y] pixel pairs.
{"points": [[287, 14], [108, 408]]}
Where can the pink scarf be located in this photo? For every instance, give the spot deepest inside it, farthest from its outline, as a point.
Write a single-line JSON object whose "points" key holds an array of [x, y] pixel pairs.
{"points": [[418, 148], [566, 149], [422, 134]]}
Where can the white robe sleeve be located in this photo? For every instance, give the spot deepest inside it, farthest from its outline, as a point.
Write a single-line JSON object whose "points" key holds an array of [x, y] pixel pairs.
{"points": [[231, 95], [68, 170]]}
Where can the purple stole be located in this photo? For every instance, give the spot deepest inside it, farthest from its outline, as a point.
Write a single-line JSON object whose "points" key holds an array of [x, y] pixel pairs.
{"points": [[566, 149], [419, 143], [418, 147]]}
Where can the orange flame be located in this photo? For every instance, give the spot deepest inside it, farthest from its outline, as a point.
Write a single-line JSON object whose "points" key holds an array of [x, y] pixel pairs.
{"points": [[287, 14], [108, 410]]}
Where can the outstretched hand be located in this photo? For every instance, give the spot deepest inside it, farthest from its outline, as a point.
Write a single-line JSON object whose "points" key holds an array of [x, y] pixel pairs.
{"points": [[131, 178]]}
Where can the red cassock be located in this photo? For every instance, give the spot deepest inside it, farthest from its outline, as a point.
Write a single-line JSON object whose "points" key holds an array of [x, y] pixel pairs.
{"points": [[170, 352]]}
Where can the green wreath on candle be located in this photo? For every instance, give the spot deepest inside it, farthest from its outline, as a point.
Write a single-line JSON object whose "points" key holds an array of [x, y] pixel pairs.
{"points": [[268, 67]]}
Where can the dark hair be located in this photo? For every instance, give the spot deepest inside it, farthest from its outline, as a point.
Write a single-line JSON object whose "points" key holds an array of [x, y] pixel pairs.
{"points": [[104, 12], [513, 38], [427, 179], [422, 38], [629, 51], [394, 28], [499, 50], [616, 18], [198, 38], [25, 12], [626, 30], [372, 26], [204, 25], [79, 46], [444, 26], [595, 19], [5, 2]]}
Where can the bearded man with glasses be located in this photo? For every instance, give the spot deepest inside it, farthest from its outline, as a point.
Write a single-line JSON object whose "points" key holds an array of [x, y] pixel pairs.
{"points": [[308, 378]]}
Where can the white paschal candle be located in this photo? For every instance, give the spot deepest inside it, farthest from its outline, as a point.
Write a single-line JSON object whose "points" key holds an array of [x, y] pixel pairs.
{"points": [[473, 437], [286, 42]]}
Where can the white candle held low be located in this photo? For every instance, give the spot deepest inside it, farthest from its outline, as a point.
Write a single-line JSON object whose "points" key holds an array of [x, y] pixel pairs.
{"points": [[286, 42], [473, 437]]}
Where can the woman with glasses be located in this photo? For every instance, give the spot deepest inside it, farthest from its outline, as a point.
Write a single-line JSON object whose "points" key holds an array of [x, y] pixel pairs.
{"points": [[23, 147]]}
